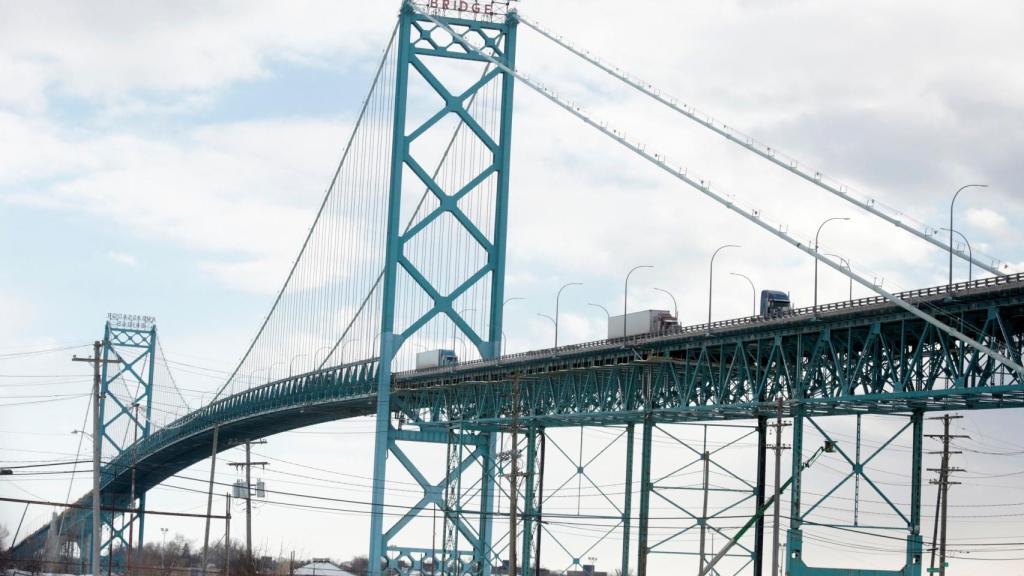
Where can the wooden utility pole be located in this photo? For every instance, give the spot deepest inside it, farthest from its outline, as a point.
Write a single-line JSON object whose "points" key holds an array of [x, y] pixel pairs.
{"points": [[248, 464], [778, 447], [97, 449], [513, 525], [131, 498], [209, 499], [227, 534], [943, 482]]}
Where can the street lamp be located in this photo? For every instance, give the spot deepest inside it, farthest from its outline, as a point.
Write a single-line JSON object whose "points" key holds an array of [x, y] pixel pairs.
{"points": [[951, 228], [711, 276], [504, 346], [753, 292], [270, 371], [558, 298], [303, 355], [816, 235], [845, 262], [455, 330], [970, 253], [606, 313], [675, 307], [343, 344], [625, 299], [553, 321]]}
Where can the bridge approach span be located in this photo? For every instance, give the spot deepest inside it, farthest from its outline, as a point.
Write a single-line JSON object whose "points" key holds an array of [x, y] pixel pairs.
{"points": [[860, 356]]}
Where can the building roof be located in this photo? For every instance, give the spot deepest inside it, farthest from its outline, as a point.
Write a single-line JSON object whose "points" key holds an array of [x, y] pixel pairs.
{"points": [[321, 569]]}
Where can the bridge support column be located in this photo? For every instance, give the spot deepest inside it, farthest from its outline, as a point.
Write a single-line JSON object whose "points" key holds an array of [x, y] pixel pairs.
{"points": [[483, 113], [794, 536], [529, 502], [464, 493], [645, 496], [627, 502]]}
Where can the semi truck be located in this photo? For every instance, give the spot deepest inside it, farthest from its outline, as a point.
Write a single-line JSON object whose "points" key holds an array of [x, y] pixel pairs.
{"points": [[774, 303], [436, 358], [643, 322]]}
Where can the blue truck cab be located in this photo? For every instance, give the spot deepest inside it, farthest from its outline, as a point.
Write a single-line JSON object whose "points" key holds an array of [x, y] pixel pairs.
{"points": [[774, 303]]}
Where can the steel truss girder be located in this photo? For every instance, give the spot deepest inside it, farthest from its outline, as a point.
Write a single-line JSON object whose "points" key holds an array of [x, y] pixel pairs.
{"points": [[891, 364]]}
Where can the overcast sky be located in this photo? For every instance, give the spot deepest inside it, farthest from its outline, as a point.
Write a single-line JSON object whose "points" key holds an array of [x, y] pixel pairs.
{"points": [[167, 159]]}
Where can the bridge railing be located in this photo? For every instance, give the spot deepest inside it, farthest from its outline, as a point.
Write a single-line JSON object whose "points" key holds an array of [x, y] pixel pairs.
{"points": [[337, 382], [796, 313]]}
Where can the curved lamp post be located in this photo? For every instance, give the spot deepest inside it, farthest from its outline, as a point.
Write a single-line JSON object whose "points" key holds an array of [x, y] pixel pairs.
{"points": [[675, 307], [844, 262], [455, 330], [951, 228], [558, 299], [816, 235], [711, 276], [504, 347], [753, 292], [970, 254], [553, 321], [625, 299]]}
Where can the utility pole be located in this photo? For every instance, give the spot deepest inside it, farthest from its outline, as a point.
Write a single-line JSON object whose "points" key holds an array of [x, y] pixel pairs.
{"points": [[943, 483], [97, 449], [248, 464], [513, 526], [778, 447], [209, 499], [227, 534], [131, 499]]}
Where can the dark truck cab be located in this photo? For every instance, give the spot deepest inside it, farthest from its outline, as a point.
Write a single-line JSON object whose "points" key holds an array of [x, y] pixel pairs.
{"points": [[774, 303]]}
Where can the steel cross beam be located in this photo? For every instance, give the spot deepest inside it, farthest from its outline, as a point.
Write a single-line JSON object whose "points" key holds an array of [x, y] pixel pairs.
{"points": [[734, 494], [402, 559], [421, 48], [795, 564], [581, 466]]}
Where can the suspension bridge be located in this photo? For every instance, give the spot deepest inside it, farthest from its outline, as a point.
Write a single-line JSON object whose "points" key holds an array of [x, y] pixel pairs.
{"points": [[407, 253]]}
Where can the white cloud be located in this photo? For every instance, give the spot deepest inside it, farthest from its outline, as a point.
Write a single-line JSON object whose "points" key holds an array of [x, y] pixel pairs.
{"points": [[989, 220], [238, 191], [108, 51], [122, 258]]}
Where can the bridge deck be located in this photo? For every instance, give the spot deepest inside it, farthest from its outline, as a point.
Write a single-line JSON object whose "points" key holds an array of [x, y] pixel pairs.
{"points": [[865, 355]]}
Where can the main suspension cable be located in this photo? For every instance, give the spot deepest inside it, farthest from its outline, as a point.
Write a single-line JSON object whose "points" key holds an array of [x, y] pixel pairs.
{"points": [[896, 217], [704, 188]]}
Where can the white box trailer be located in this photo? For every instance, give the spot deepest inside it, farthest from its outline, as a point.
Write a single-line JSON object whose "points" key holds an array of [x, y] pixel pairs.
{"points": [[643, 322], [435, 358]]}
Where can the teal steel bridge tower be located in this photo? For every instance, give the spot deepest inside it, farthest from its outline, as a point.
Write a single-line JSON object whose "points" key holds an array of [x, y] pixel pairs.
{"points": [[407, 256]]}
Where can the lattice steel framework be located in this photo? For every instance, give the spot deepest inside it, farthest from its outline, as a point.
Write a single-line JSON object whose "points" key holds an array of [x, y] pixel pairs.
{"points": [[422, 48], [129, 356]]}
